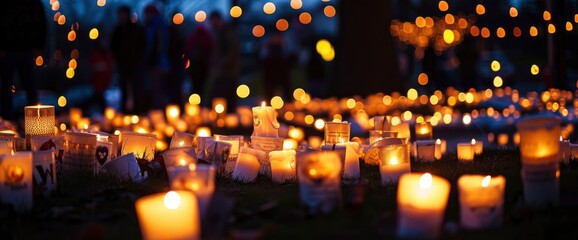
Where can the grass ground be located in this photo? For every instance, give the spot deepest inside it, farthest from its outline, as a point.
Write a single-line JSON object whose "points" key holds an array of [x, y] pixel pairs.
{"points": [[272, 211]]}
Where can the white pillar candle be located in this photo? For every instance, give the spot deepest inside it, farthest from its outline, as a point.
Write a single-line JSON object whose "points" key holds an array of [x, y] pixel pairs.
{"points": [[170, 215], [481, 201], [39, 121], [564, 154], [265, 122], [421, 203], [394, 163], [466, 151], [336, 132], [247, 166], [182, 140], [141, 144], [201, 181], [16, 180], [424, 150], [282, 165]]}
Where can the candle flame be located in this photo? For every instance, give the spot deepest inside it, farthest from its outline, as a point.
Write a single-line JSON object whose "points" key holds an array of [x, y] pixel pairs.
{"points": [[312, 172], [426, 180], [438, 141], [423, 130], [263, 104], [172, 200], [393, 161], [558, 173], [181, 143], [561, 139], [194, 186], [473, 141], [182, 162], [486, 181]]}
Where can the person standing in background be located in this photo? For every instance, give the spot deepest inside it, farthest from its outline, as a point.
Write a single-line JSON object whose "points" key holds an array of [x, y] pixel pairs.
{"points": [[22, 39], [127, 46]]}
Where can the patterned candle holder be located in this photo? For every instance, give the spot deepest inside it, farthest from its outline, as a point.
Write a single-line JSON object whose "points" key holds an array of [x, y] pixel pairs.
{"points": [[44, 172], [6, 143], [182, 140], [39, 121], [141, 144]]}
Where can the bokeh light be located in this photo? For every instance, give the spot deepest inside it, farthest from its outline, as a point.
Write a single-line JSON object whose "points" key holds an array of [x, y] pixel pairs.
{"points": [[178, 19], [269, 8], [93, 34], [200, 16], [243, 91], [236, 12], [258, 31], [305, 18]]}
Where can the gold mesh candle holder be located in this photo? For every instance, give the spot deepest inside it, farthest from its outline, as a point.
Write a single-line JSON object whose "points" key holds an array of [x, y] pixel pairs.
{"points": [[39, 121]]}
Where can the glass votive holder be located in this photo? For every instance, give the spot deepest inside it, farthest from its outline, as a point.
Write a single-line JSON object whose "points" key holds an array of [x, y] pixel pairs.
{"points": [[376, 135], [337, 132]]}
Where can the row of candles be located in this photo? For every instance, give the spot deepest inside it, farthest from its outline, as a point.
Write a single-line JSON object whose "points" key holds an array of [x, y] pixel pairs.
{"points": [[315, 170]]}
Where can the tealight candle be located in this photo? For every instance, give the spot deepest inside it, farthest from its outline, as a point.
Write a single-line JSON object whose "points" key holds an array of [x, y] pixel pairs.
{"points": [[424, 150], [282, 165], [421, 203], [247, 165], [170, 215], [265, 122], [16, 180], [423, 130], [481, 201], [394, 163], [39, 121], [141, 144], [466, 151]]}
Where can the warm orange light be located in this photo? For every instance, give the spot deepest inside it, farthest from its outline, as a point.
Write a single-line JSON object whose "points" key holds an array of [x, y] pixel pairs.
{"points": [[513, 12], [305, 18], [547, 16], [569, 26], [517, 32], [474, 31], [480, 9], [551, 28], [422, 79], [296, 4], [178, 18], [329, 11], [258, 31], [61, 20], [485, 32], [500, 32], [39, 61], [282, 25], [236, 11], [269, 8], [101, 3], [71, 35], [200, 16], [443, 6], [533, 31], [425, 181], [486, 181]]}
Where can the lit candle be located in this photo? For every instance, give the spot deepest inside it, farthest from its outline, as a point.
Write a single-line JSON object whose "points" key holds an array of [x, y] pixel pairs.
{"points": [[479, 146], [319, 175], [424, 150], [440, 148], [39, 121], [336, 132], [178, 156], [203, 132], [220, 105], [290, 144], [141, 144], [503, 139], [351, 161], [423, 130], [247, 166], [421, 203], [481, 201], [182, 140], [265, 122], [282, 165], [539, 150], [16, 180], [394, 163], [201, 182], [170, 215], [74, 116], [173, 113], [466, 151]]}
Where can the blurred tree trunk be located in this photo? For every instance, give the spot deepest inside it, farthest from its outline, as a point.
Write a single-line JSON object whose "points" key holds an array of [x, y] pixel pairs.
{"points": [[366, 61]]}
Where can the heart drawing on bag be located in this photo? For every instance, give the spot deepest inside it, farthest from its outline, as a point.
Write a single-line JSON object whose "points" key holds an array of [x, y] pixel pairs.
{"points": [[101, 154]]}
